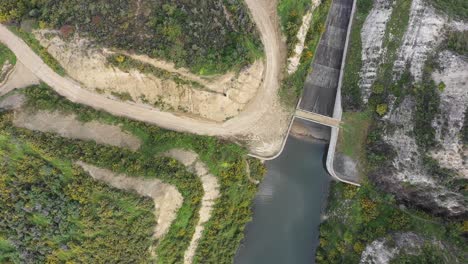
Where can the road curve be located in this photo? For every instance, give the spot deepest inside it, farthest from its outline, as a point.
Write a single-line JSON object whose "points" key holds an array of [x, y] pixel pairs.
{"points": [[238, 125]]}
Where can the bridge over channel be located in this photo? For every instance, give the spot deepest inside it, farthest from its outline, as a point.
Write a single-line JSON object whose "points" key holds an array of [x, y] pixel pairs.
{"points": [[321, 100], [317, 118]]}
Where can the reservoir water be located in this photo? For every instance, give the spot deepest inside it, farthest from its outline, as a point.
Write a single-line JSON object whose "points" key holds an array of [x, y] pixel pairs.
{"points": [[287, 207]]}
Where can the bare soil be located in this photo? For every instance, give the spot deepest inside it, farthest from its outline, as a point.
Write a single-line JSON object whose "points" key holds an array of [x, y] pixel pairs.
{"points": [[294, 60], [12, 101], [20, 77], [226, 96], [261, 125], [68, 126], [166, 197], [210, 187]]}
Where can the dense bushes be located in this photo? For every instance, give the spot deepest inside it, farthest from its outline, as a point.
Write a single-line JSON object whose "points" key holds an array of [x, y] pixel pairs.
{"points": [[454, 8], [291, 13], [457, 41], [427, 106], [223, 232], [13, 9], [6, 55], [427, 97], [357, 217], [53, 212], [292, 85], [206, 36], [172, 247]]}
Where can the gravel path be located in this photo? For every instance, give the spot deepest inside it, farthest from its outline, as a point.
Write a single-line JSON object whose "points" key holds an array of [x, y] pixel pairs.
{"points": [[167, 198], [260, 106], [19, 77], [210, 187], [68, 126]]}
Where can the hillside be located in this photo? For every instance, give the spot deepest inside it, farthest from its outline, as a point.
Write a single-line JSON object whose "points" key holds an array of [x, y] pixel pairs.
{"points": [[207, 37], [198, 60], [211, 176], [406, 96]]}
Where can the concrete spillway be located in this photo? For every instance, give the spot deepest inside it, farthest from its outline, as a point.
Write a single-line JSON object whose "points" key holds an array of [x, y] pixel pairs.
{"points": [[321, 86]]}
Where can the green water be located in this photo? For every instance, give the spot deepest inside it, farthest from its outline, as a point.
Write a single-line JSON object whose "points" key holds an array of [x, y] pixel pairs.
{"points": [[287, 208]]}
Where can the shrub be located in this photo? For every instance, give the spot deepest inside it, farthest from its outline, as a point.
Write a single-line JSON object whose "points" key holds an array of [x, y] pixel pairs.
{"points": [[457, 41], [226, 161], [378, 88], [381, 109], [179, 31]]}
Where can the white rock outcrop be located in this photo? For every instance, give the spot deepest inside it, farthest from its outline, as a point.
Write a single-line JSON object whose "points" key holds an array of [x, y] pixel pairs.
{"points": [[372, 36]]}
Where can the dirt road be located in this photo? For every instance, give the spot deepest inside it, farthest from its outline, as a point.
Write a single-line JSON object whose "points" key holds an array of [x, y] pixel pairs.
{"points": [[244, 123]]}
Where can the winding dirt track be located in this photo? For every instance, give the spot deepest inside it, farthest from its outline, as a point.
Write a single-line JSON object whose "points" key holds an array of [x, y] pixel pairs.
{"points": [[241, 124]]}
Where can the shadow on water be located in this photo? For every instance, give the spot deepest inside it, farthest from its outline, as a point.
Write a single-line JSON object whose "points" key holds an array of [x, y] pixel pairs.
{"points": [[287, 207]]}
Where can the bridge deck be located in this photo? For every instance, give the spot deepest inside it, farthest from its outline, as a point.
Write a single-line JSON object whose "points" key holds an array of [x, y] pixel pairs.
{"points": [[316, 118]]}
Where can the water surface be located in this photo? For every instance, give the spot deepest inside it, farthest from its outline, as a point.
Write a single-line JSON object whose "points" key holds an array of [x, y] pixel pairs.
{"points": [[287, 208]]}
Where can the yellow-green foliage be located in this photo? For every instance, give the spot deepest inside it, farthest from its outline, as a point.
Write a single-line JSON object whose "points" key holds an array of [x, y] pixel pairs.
{"points": [[292, 85], [381, 109], [52, 214], [223, 232], [6, 55], [291, 13], [358, 216], [208, 37], [39, 50]]}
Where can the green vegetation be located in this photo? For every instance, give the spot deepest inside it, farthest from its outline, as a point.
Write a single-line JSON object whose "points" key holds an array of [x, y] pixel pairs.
{"points": [[358, 216], [454, 8], [393, 39], [207, 37], [457, 41], [363, 122], [292, 85], [8, 252], [6, 55], [351, 93], [427, 106], [291, 13], [52, 212], [232, 211], [172, 247], [125, 96], [382, 109], [126, 63], [354, 133], [38, 49]]}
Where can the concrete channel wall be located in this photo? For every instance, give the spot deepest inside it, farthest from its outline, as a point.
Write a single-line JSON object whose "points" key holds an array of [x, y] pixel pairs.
{"points": [[338, 109], [322, 89]]}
